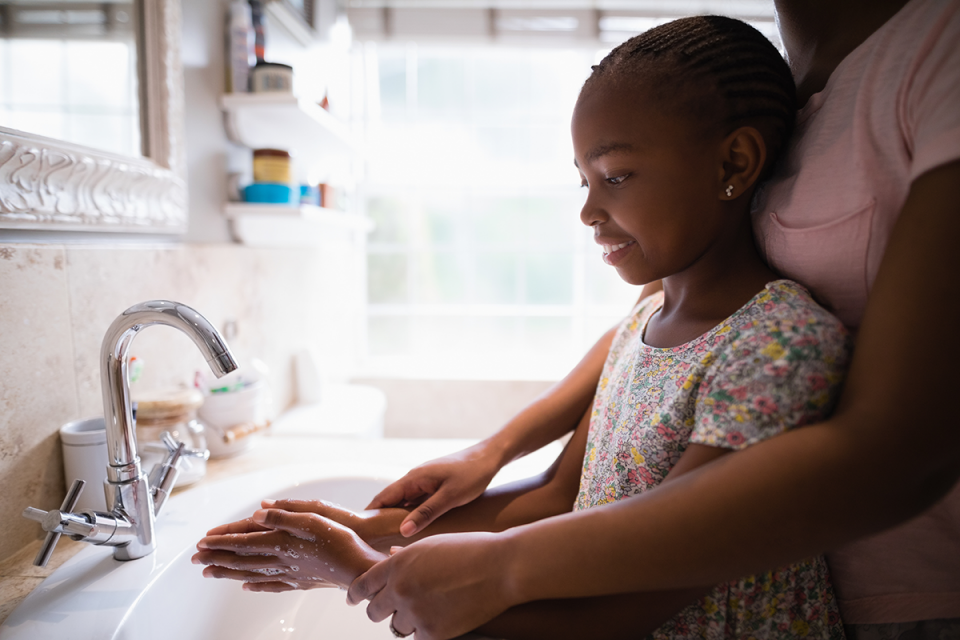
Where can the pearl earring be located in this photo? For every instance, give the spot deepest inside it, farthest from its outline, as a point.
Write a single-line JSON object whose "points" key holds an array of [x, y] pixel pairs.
{"points": [[729, 190]]}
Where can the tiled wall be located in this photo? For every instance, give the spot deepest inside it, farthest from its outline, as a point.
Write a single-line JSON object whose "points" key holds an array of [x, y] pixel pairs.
{"points": [[56, 302]]}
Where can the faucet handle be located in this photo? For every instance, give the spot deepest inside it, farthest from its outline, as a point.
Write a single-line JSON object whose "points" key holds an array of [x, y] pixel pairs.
{"points": [[164, 475], [53, 537]]}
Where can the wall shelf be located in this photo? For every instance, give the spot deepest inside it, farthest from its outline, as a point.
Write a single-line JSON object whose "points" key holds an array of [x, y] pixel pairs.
{"points": [[282, 121], [266, 225]]}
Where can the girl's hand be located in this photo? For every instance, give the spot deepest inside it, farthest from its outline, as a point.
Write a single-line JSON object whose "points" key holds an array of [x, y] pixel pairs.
{"points": [[278, 550], [440, 485], [440, 587], [379, 528]]}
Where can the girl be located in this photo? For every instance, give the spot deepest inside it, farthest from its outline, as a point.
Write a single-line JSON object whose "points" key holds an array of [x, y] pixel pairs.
{"points": [[672, 133]]}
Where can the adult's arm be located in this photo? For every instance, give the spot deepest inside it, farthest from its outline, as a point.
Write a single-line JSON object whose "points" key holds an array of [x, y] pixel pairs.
{"points": [[891, 450]]}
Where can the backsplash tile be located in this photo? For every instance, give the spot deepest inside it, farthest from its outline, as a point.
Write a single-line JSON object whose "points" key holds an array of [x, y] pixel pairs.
{"points": [[37, 393], [56, 303]]}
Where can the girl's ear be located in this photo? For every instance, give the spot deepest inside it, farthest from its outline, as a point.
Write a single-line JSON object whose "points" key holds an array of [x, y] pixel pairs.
{"points": [[744, 155]]}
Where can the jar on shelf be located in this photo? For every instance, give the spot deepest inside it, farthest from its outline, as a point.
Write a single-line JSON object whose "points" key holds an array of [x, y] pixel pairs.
{"points": [[174, 411], [271, 165]]}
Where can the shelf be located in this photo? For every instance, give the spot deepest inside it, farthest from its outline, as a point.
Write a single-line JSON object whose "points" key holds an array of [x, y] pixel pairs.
{"points": [[266, 225], [282, 121]]}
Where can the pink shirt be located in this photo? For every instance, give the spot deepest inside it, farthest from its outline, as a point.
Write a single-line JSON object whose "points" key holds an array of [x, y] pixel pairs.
{"points": [[889, 113]]}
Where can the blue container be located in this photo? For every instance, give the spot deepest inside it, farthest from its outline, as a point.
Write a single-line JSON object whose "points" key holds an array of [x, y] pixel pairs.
{"points": [[272, 193], [309, 195]]}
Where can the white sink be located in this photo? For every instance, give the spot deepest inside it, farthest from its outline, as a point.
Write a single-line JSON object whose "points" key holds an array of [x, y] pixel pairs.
{"points": [[164, 596]]}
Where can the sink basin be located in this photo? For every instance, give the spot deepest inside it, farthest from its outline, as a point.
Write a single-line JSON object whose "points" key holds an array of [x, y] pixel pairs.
{"points": [[163, 596], [93, 596]]}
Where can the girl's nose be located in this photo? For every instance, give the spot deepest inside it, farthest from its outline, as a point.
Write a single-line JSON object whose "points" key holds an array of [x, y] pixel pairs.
{"points": [[591, 214]]}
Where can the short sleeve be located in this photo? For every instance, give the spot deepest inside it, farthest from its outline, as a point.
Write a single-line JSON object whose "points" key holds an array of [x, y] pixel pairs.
{"points": [[930, 110], [782, 370]]}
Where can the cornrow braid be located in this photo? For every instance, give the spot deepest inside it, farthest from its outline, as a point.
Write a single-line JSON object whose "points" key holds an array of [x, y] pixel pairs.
{"points": [[713, 68]]}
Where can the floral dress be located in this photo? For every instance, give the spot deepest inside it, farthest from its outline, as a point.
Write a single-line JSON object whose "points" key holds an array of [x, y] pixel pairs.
{"points": [[775, 364]]}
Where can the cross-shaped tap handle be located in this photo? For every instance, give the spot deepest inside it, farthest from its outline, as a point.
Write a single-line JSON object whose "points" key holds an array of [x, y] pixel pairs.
{"points": [[73, 495]]}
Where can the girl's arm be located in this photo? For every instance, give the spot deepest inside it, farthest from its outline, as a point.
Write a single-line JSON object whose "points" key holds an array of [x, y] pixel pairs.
{"points": [[226, 549], [811, 490], [457, 479]]}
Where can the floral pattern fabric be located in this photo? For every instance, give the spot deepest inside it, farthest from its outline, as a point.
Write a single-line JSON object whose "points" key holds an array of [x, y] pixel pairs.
{"points": [[775, 364]]}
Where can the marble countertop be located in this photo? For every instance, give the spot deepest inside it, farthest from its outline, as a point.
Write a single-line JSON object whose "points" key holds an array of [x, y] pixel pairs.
{"points": [[18, 576]]}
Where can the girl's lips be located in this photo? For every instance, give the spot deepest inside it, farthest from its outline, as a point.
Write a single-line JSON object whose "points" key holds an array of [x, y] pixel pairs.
{"points": [[618, 254]]}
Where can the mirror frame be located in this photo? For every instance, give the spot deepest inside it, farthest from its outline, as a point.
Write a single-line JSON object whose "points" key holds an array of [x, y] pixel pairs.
{"points": [[48, 184]]}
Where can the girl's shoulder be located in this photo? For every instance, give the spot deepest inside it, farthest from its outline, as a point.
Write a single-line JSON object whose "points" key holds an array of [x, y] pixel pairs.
{"points": [[785, 302], [783, 324]]}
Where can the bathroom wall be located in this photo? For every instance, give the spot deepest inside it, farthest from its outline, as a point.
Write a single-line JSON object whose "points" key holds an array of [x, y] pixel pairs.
{"points": [[56, 302]]}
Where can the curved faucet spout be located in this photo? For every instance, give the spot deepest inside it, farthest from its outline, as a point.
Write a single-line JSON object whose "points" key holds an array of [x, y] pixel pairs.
{"points": [[117, 410], [132, 504]]}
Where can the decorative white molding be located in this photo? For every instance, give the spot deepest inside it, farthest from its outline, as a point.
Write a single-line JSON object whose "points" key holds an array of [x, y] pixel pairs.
{"points": [[48, 184]]}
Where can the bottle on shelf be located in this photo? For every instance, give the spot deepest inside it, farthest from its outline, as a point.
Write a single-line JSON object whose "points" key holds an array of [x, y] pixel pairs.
{"points": [[240, 42]]}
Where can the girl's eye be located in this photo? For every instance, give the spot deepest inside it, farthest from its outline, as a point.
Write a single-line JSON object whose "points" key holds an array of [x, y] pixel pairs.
{"points": [[617, 179]]}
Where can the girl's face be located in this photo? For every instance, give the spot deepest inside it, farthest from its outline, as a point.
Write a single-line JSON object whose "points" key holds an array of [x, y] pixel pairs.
{"points": [[654, 182]]}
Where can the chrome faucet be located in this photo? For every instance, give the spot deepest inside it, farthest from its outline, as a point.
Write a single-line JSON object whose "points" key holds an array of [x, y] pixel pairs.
{"points": [[133, 501]]}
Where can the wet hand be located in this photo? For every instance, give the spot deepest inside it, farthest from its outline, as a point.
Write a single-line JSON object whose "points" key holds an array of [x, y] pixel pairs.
{"points": [[380, 528], [278, 550]]}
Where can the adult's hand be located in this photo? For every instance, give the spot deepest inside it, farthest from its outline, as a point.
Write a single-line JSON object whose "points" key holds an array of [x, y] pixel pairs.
{"points": [[466, 586]]}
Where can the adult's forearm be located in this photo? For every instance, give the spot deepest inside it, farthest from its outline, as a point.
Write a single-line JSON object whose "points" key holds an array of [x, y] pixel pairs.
{"points": [[744, 513], [627, 615]]}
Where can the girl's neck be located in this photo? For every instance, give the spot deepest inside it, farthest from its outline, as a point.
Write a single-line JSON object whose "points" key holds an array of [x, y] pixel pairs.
{"points": [[705, 294]]}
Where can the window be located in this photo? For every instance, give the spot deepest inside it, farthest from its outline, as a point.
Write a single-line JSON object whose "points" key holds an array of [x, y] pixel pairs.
{"points": [[479, 266]]}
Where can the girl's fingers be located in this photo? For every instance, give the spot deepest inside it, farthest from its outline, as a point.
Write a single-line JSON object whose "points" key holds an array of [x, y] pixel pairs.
{"points": [[269, 587], [231, 560], [299, 525], [277, 586], [224, 573], [302, 506], [247, 525], [264, 541]]}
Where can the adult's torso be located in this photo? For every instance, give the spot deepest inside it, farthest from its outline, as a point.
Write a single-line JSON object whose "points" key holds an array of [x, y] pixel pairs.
{"points": [[889, 113]]}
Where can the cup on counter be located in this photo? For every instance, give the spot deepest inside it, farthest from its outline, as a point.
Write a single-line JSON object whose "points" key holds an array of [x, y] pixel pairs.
{"points": [[231, 417], [84, 444]]}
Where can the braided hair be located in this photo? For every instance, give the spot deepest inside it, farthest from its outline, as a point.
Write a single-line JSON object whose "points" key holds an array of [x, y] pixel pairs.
{"points": [[712, 68]]}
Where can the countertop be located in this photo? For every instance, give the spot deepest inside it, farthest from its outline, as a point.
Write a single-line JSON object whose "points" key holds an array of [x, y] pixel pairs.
{"points": [[18, 576]]}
